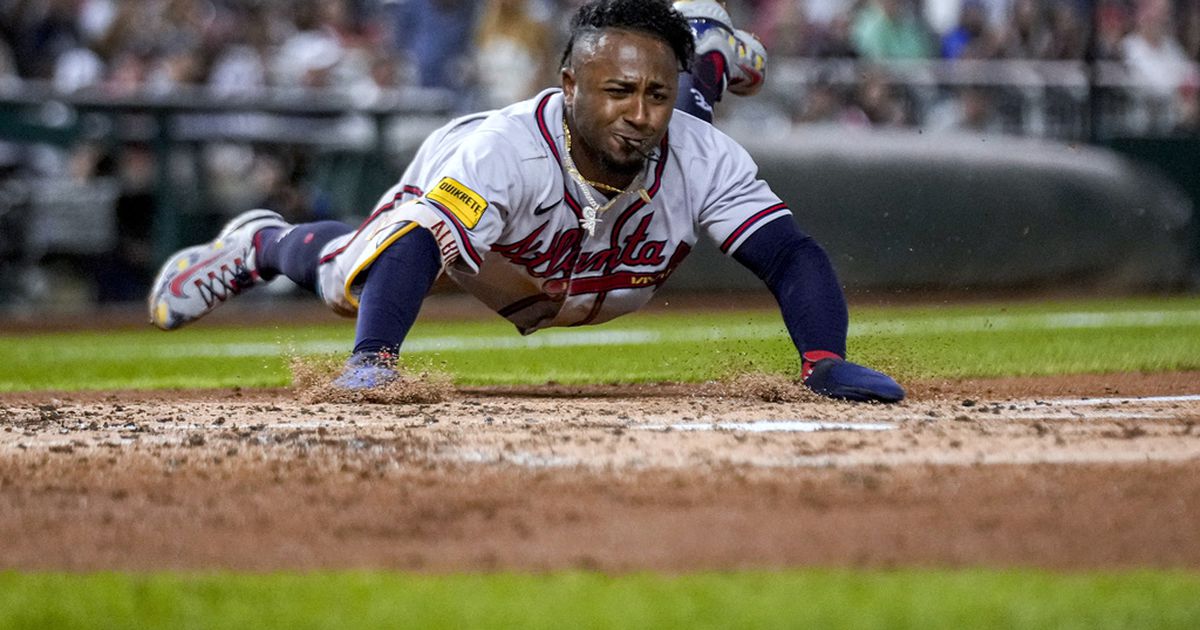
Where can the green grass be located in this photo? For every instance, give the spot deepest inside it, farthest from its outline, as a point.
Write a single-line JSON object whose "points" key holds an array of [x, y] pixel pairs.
{"points": [[1148, 335], [1151, 335], [792, 599]]}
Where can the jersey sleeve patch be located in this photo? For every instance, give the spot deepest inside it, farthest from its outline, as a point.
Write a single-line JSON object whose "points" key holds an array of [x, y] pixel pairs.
{"points": [[465, 204]]}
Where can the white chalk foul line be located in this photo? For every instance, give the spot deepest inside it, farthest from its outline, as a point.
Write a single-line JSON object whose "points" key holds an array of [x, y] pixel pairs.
{"points": [[640, 336], [1031, 321], [771, 426], [1149, 400]]}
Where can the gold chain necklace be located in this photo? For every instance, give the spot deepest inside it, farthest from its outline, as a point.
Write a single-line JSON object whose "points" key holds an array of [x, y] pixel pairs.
{"points": [[591, 213]]}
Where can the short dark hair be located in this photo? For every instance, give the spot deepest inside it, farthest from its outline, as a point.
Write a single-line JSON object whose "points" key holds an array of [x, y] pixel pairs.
{"points": [[655, 17]]}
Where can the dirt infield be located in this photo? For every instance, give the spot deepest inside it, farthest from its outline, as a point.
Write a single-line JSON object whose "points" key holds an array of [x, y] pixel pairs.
{"points": [[1076, 472]]}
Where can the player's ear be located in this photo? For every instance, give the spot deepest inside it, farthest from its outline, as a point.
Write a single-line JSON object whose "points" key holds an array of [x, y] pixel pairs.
{"points": [[568, 85]]}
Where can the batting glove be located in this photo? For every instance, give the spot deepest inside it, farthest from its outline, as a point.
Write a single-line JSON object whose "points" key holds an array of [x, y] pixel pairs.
{"points": [[836, 377], [367, 370]]}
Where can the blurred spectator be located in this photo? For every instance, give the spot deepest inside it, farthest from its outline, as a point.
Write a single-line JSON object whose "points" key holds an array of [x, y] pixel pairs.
{"points": [[784, 29], [1189, 27], [1112, 23], [239, 65], [386, 71], [880, 102], [971, 39], [971, 109], [826, 104], [40, 33], [434, 33], [134, 29], [239, 70], [174, 67], [513, 55], [126, 74], [1188, 119], [836, 40], [942, 16], [890, 29], [328, 50], [307, 59], [1158, 66], [1155, 58], [77, 68], [1027, 34], [822, 13], [1068, 32], [95, 18]]}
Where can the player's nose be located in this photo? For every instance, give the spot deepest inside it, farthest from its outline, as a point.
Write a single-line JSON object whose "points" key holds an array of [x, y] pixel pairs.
{"points": [[637, 114]]}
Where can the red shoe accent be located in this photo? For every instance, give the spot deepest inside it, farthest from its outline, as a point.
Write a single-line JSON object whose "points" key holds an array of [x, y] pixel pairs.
{"points": [[811, 357]]}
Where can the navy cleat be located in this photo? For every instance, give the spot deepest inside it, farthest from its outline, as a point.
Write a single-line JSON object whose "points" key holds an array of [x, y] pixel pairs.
{"points": [[835, 377], [367, 370]]}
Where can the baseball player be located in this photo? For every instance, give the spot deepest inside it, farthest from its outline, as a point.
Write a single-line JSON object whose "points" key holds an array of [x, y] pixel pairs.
{"points": [[568, 209]]}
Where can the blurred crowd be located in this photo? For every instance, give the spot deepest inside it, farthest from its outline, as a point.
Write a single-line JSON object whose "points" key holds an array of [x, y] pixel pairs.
{"points": [[489, 53], [1155, 42], [493, 52], [238, 46], [496, 51]]}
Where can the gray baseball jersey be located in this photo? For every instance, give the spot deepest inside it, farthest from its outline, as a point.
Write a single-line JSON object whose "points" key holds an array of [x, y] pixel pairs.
{"points": [[508, 219]]}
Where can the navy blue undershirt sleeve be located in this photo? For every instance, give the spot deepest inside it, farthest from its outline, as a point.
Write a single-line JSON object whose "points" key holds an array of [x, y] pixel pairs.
{"points": [[701, 88], [396, 284], [801, 277]]}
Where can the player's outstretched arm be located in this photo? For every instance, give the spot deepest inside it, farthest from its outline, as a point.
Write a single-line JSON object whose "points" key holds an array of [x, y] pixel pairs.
{"points": [[396, 285], [799, 274]]}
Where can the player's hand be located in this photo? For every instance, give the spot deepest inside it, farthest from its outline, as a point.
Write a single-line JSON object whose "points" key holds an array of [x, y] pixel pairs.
{"points": [[838, 378]]}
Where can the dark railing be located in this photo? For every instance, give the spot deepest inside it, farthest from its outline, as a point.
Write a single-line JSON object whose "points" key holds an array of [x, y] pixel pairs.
{"points": [[1070, 100], [33, 112], [366, 139]]}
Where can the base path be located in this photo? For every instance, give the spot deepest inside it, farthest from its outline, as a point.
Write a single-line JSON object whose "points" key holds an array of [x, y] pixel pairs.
{"points": [[1066, 473]]}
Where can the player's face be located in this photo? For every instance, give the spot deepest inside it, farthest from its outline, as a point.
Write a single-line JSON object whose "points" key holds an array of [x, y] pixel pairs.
{"points": [[619, 90]]}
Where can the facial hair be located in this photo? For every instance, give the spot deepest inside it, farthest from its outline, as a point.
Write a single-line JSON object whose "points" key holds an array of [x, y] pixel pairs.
{"points": [[622, 168]]}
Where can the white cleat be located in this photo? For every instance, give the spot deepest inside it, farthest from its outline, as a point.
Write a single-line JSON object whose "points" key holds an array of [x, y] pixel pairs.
{"points": [[749, 71], [198, 279], [745, 57], [704, 10]]}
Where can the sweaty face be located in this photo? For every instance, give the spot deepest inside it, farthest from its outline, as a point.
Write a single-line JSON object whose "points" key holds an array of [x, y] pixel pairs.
{"points": [[619, 90]]}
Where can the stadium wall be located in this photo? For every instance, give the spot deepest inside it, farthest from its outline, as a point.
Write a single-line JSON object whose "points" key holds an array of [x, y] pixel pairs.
{"points": [[906, 210]]}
